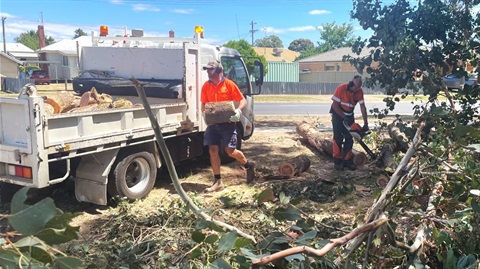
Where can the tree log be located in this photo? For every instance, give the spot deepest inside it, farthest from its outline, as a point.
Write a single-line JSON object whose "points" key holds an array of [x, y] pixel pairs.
{"points": [[325, 146], [218, 112], [61, 102], [294, 167]]}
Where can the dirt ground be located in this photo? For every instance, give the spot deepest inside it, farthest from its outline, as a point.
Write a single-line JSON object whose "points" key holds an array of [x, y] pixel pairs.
{"points": [[275, 141]]}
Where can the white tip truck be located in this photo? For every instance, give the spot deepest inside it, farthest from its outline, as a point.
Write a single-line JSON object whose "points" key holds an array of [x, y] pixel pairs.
{"points": [[113, 151]]}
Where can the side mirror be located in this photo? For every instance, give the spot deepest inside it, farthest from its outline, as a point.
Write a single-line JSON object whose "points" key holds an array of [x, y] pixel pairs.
{"points": [[258, 73]]}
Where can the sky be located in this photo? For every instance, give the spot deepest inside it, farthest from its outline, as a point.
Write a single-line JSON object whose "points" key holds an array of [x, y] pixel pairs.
{"points": [[222, 20]]}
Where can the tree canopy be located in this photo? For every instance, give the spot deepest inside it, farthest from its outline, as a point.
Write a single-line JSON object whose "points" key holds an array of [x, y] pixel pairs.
{"points": [[301, 45], [78, 33], [413, 45], [332, 37], [31, 40], [271, 41], [248, 53], [336, 36]]}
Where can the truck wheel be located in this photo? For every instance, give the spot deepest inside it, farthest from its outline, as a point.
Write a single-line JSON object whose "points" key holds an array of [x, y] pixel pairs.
{"points": [[223, 155], [134, 176]]}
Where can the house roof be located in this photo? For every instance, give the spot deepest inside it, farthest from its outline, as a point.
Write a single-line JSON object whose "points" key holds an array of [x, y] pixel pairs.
{"points": [[67, 46], [277, 54], [10, 57], [18, 50], [335, 55]]}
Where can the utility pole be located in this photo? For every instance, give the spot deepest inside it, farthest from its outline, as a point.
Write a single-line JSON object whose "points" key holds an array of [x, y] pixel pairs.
{"points": [[3, 33], [253, 30]]}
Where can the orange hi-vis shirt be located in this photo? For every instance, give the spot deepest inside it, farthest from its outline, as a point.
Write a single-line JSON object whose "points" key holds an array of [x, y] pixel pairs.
{"points": [[347, 99], [226, 90]]}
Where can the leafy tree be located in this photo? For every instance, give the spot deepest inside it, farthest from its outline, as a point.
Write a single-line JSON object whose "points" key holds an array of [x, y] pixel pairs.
{"points": [[431, 38], [271, 41], [78, 33], [333, 36], [31, 40], [301, 45], [248, 53], [336, 36]]}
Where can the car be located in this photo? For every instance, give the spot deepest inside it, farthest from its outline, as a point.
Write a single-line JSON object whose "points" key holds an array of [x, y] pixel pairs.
{"points": [[455, 82], [40, 77]]}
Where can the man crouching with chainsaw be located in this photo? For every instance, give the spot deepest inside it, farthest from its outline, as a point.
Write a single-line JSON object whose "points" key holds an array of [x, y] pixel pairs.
{"points": [[346, 96]]}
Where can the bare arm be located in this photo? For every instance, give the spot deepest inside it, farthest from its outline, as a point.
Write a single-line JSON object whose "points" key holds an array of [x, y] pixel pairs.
{"points": [[203, 107], [242, 104], [338, 110]]}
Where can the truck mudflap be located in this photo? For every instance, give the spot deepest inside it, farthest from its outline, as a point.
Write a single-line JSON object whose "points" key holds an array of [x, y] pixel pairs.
{"points": [[92, 177]]}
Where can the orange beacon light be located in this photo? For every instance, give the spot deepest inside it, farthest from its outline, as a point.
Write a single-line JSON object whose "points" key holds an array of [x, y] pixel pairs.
{"points": [[103, 30]]}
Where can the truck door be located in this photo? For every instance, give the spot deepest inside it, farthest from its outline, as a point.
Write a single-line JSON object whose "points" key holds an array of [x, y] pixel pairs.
{"points": [[192, 86], [234, 68]]}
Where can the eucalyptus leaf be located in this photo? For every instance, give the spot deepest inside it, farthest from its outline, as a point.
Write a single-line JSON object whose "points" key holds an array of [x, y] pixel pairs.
{"points": [[227, 242], [265, 196], [68, 263], [198, 236], [242, 242], [211, 239], [220, 264], [33, 219]]}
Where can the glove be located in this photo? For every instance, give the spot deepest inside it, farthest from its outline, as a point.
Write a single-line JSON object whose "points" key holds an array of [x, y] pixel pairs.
{"points": [[348, 120], [365, 127], [237, 115]]}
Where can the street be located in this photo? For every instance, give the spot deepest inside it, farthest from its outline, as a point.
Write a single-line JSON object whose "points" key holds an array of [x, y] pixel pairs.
{"points": [[274, 108]]}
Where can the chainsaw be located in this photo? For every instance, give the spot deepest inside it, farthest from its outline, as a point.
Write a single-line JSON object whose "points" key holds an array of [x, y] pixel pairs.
{"points": [[358, 134]]}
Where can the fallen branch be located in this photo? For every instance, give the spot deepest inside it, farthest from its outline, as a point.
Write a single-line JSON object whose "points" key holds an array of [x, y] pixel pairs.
{"points": [[171, 168], [325, 146], [320, 252], [383, 201]]}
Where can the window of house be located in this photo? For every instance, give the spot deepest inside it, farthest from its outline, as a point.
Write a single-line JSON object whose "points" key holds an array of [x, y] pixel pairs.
{"points": [[65, 61], [329, 68]]}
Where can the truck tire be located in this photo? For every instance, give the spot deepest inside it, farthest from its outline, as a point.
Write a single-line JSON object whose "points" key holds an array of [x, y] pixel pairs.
{"points": [[134, 176], [225, 159]]}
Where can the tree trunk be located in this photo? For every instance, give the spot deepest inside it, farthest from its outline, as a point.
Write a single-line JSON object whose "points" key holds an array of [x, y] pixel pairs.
{"points": [[294, 167], [325, 146], [61, 102]]}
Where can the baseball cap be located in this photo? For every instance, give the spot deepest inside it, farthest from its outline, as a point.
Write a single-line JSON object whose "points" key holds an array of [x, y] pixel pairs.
{"points": [[213, 64]]}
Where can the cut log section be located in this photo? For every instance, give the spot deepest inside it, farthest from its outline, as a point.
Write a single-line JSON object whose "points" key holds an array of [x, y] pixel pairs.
{"points": [[218, 112], [61, 102], [294, 167], [325, 146]]}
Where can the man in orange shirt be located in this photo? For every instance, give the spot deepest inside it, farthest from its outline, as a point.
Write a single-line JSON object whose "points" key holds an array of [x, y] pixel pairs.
{"points": [[346, 96], [219, 88]]}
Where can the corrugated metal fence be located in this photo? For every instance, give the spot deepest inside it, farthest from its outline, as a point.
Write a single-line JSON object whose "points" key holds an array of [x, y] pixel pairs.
{"points": [[303, 88], [15, 84]]}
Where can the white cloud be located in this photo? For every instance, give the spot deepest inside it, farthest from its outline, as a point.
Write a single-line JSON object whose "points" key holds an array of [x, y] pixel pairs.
{"points": [[117, 2], [272, 30], [302, 28], [183, 11], [2, 14], [318, 12], [144, 7]]}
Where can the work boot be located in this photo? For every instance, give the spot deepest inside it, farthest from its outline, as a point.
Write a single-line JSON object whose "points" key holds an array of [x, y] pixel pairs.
{"points": [[338, 164], [350, 165], [217, 186], [250, 172]]}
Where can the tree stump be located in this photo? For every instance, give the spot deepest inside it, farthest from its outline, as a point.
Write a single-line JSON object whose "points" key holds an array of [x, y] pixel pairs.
{"points": [[294, 167], [325, 146], [218, 112]]}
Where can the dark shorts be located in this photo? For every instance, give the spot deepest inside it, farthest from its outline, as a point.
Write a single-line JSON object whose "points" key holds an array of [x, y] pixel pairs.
{"points": [[222, 133]]}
